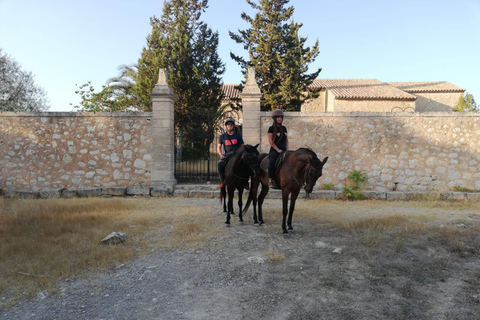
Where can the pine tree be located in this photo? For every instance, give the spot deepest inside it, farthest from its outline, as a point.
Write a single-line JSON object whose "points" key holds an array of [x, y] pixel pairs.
{"points": [[277, 54], [466, 103], [184, 45]]}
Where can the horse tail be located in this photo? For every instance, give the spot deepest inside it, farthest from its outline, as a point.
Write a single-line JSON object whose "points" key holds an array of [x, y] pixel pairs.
{"points": [[249, 200]]}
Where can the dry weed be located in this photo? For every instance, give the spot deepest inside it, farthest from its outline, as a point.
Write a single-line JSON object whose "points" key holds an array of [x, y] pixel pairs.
{"points": [[42, 241]]}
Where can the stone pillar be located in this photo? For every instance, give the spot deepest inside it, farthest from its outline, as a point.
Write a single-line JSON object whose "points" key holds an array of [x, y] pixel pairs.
{"points": [[163, 164], [251, 97]]}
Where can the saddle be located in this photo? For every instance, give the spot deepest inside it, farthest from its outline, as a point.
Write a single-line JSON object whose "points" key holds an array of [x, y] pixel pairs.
{"points": [[265, 162]]}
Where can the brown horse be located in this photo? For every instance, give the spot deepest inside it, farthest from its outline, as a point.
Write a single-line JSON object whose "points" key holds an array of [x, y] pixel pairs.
{"points": [[242, 165], [300, 168]]}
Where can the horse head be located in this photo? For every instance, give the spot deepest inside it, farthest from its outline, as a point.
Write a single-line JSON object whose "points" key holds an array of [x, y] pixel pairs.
{"points": [[313, 172], [250, 159]]}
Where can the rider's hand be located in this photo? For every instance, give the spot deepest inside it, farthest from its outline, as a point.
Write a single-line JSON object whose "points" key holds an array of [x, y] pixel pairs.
{"points": [[280, 151]]}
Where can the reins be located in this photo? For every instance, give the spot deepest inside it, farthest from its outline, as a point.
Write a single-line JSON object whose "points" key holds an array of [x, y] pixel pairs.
{"points": [[237, 176]]}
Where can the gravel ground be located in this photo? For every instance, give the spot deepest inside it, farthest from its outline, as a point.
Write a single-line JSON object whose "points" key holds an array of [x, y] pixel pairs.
{"points": [[315, 272]]}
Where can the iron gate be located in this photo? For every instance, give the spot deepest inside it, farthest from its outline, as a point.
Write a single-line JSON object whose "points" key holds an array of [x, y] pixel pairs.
{"points": [[201, 170]]}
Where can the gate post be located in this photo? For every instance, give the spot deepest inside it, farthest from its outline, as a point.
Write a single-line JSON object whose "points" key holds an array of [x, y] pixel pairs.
{"points": [[251, 97], [163, 164]]}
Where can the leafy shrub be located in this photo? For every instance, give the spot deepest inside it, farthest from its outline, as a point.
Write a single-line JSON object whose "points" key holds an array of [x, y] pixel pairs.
{"points": [[353, 192]]}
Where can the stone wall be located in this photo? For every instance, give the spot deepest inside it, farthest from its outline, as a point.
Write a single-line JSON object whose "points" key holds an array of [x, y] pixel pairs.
{"points": [[398, 151], [46, 151]]}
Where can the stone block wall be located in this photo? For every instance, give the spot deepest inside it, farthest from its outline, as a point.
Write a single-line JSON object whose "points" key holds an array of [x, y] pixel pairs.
{"points": [[397, 151], [47, 151]]}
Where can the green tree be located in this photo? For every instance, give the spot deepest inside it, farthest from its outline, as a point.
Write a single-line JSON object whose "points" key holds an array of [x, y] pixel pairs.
{"points": [[119, 94], [278, 55], [467, 103], [186, 48], [18, 91]]}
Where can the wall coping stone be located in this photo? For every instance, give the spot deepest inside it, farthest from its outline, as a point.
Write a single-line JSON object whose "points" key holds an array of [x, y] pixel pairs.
{"points": [[212, 192]]}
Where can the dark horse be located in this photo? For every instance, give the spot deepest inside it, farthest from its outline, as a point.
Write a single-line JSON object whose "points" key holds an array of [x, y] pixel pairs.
{"points": [[242, 165], [300, 168]]}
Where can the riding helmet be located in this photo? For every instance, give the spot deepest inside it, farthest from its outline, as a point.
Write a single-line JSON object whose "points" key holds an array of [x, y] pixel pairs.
{"points": [[229, 120], [277, 113]]}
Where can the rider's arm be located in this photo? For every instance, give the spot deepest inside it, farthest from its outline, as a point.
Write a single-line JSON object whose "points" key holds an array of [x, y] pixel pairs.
{"points": [[219, 150], [270, 141]]}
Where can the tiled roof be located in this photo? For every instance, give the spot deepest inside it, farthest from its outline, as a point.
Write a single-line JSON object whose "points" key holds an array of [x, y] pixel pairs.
{"points": [[230, 92], [366, 89], [362, 89], [435, 86]]}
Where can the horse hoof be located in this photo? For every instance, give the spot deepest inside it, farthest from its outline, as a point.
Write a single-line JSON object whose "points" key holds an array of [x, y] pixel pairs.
{"points": [[262, 222], [227, 222], [285, 231]]}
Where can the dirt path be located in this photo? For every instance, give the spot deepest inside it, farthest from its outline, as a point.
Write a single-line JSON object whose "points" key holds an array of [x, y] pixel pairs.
{"points": [[258, 273]]}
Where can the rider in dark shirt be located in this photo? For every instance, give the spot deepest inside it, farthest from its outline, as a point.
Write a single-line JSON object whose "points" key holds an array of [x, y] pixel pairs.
{"points": [[278, 140], [231, 142]]}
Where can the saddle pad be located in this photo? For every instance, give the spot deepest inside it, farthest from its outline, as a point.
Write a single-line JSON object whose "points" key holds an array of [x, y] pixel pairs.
{"points": [[264, 164]]}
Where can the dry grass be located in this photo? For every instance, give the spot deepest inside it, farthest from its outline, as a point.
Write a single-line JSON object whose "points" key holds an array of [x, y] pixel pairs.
{"points": [[274, 255], [42, 241]]}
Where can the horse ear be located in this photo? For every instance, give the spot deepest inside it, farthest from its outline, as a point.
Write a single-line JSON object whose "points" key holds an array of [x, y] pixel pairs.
{"points": [[324, 160], [256, 146]]}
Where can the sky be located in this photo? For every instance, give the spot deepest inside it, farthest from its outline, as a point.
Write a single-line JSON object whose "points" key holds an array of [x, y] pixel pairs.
{"points": [[68, 43]]}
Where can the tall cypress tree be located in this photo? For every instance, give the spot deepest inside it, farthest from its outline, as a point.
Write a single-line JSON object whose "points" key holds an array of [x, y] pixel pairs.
{"points": [[277, 54], [184, 45]]}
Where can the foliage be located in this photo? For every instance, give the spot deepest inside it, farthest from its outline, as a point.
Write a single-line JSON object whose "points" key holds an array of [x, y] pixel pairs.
{"points": [[327, 186], [353, 192], [120, 94], [187, 49], [18, 91], [467, 103], [278, 55], [463, 189]]}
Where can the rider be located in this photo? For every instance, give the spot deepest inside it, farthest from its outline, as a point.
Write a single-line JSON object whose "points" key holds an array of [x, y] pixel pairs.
{"points": [[231, 142], [278, 140]]}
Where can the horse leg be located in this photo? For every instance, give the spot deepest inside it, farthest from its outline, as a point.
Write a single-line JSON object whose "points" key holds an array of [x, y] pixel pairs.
{"points": [[231, 192], [293, 198], [240, 203], [262, 196], [285, 194], [252, 196], [223, 192]]}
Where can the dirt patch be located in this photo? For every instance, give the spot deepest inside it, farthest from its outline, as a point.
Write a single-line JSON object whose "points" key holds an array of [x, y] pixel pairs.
{"points": [[343, 261]]}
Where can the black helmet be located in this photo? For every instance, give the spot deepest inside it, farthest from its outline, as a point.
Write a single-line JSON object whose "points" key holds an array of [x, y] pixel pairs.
{"points": [[229, 120], [277, 113]]}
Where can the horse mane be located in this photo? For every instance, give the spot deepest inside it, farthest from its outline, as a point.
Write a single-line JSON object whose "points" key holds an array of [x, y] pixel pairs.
{"points": [[314, 160]]}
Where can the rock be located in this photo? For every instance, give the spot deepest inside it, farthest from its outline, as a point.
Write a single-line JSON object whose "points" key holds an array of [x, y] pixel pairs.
{"points": [[114, 238], [337, 250]]}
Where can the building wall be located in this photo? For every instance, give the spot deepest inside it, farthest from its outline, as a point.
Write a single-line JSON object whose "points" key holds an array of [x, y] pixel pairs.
{"points": [[45, 151], [398, 151], [437, 102], [373, 105]]}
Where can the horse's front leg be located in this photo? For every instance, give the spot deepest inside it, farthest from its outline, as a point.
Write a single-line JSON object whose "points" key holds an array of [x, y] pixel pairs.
{"points": [[240, 203], [292, 207], [223, 192], [231, 192], [284, 210]]}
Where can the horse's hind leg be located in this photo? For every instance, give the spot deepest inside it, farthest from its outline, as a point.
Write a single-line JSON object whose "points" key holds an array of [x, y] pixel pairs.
{"points": [[292, 207], [261, 198], [284, 210]]}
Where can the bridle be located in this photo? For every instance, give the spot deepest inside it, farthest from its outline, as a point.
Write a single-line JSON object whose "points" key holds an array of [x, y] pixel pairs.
{"points": [[307, 173]]}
